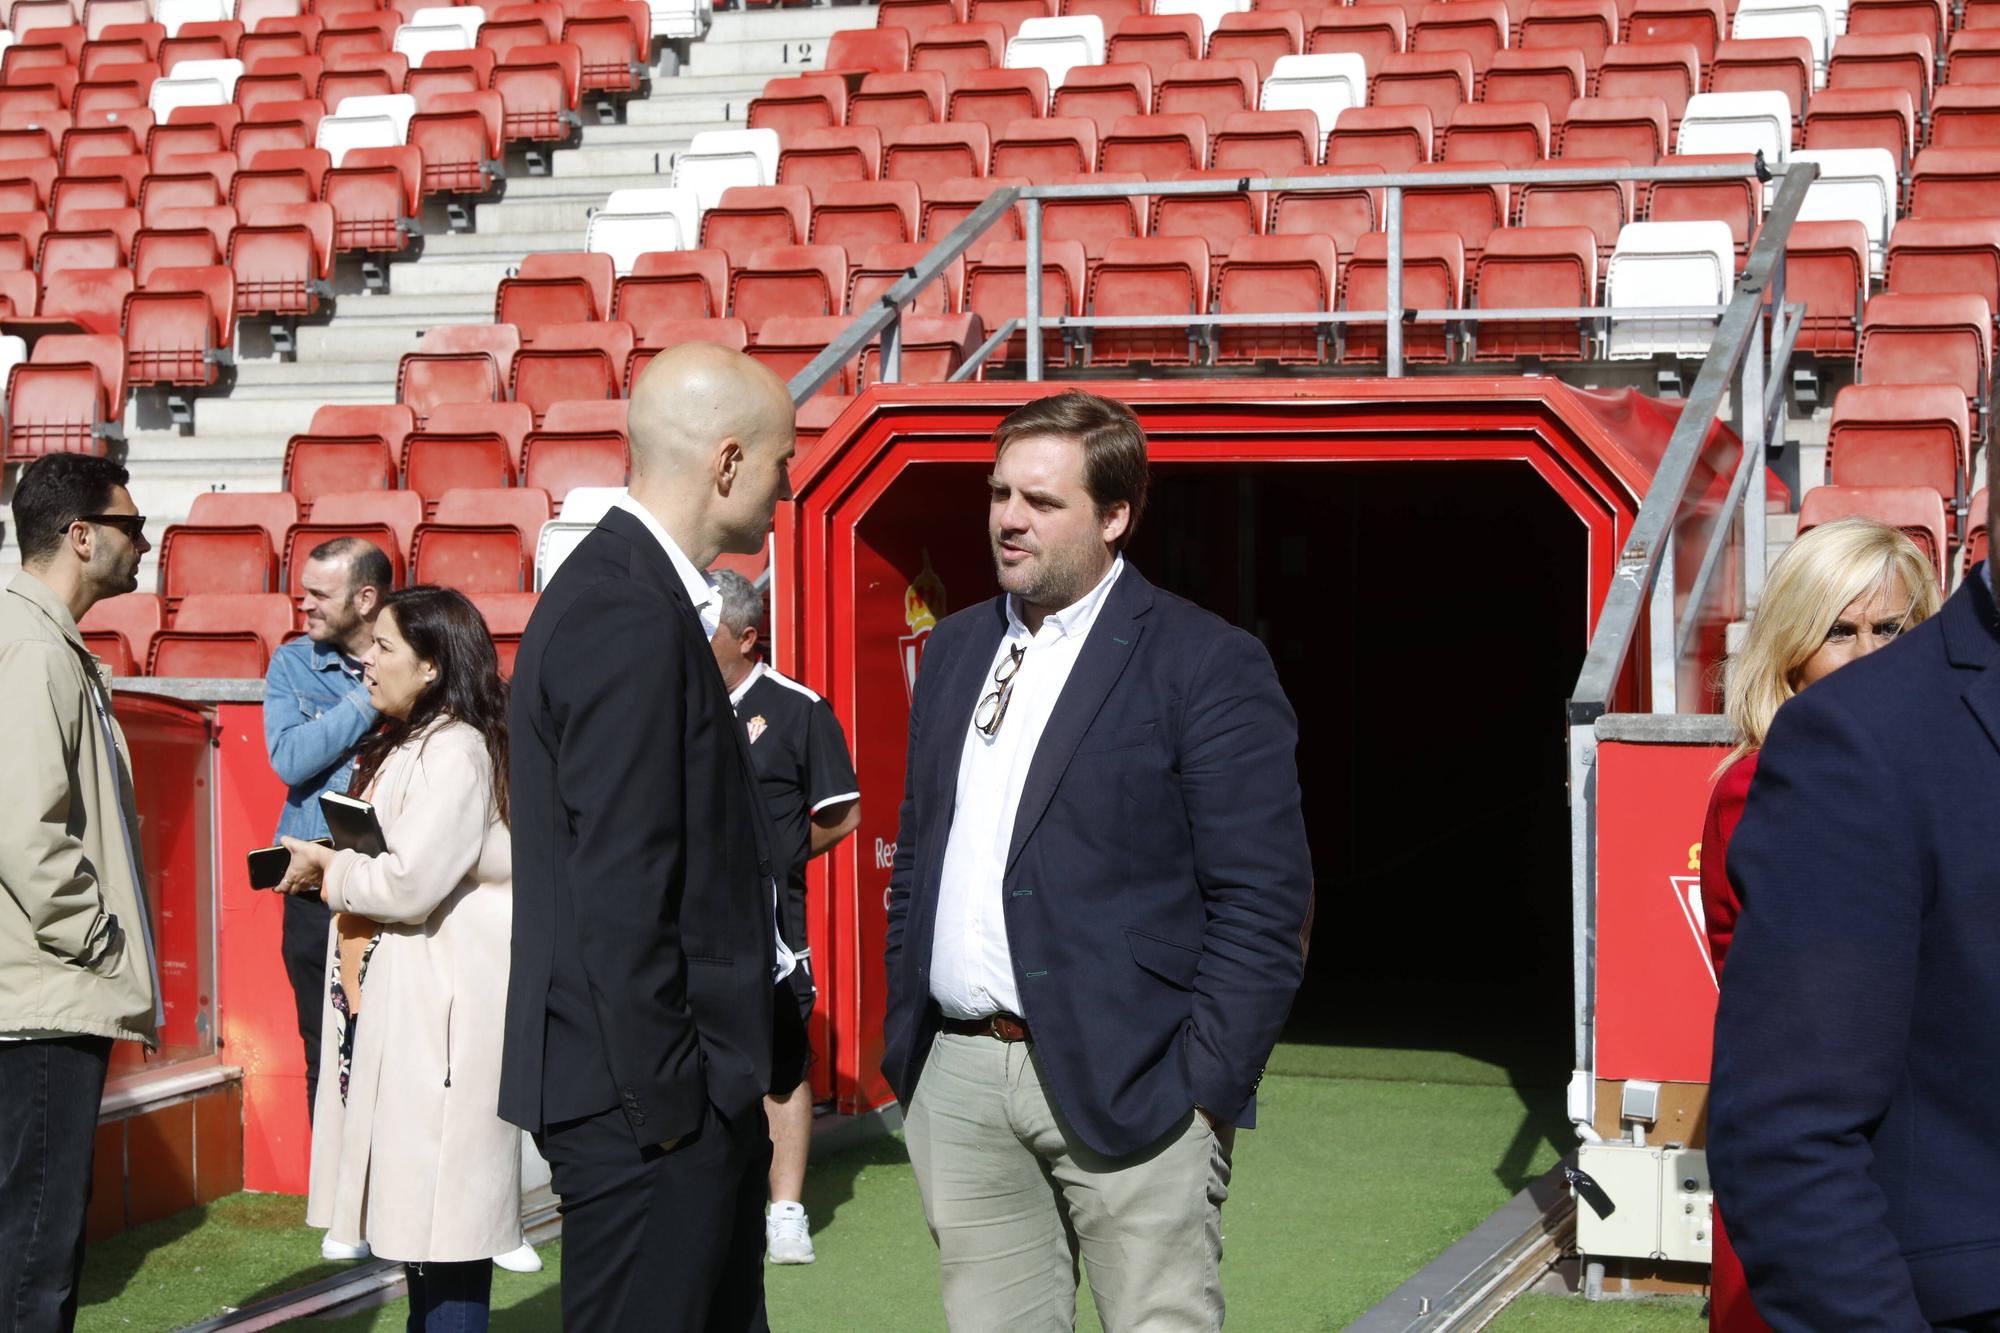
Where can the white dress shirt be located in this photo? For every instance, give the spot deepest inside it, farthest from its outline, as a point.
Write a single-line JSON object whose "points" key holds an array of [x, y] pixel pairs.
{"points": [[972, 967], [708, 606]]}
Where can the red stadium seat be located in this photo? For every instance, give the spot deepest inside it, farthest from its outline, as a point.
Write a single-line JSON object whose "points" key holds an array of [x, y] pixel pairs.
{"points": [[1473, 212], [1974, 54], [279, 126], [1266, 143], [1915, 510], [753, 217], [450, 72], [436, 461], [1588, 26], [996, 98], [1975, 529], [655, 338], [882, 266], [1515, 134], [398, 513], [1044, 148], [271, 616], [1476, 27], [1105, 94], [917, 15], [375, 195], [1009, 14], [62, 250], [1274, 275], [1372, 31], [1739, 202], [282, 257], [56, 405], [271, 512], [20, 291], [317, 465], [111, 651], [1633, 129], [286, 176], [234, 558], [484, 558], [806, 102], [614, 38], [572, 361], [787, 343], [788, 280], [1928, 339], [523, 508], [815, 159], [1389, 138], [948, 202], [996, 287], [539, 89], [934, 347], [895, 101], [1217, 218], [1157, 42], [93, 298], [219, 654], [954, 48], [1966, 117], [1899, 435], [389, 423], [502, 35], [182, 238], [1155, 146], [1604, 207], [1885, 60], [1925, 18], [554, 289], [179, 327], [132, 619], [877, 50], [1765, 64], [377, 74], [1261, 37], [1095, 223], [465, 363], [936, 152], [1945, 255], [558, 461], [1211, 89], [1552, 77], [860, 214], [1433, 278], [1343, 215], [587, 415], [1536, 266], [1700, 22], [1670, 71], [510, 421], [677, 284], [1873, 118], [1435, 80], [460, 137], [1954, 183]]}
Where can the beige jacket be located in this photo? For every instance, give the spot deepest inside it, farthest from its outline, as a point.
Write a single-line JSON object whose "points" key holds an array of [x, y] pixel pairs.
{"points": [[418, 1161], [75, 943]]}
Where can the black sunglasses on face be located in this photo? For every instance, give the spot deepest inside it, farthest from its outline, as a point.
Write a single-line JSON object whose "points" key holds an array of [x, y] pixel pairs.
{"points": [[132, 525]]}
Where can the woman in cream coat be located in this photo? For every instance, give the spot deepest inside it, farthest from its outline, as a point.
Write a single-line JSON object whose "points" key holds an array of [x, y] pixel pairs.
{"points": [[409, 1154]]}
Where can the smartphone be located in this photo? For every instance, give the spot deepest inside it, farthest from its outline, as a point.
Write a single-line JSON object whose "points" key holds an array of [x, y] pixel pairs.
{"points": [[268, 865]]}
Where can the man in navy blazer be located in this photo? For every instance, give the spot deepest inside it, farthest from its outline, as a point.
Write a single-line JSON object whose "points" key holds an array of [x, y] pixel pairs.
{"points": [[1854, 1133], [1098, 908]]}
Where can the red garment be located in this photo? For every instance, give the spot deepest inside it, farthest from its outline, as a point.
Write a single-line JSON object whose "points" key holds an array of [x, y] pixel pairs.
{"points": [[1729, 1307]]}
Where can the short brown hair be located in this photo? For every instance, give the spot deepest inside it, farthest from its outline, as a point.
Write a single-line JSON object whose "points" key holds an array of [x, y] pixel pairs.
{"points": [[1114, 446]]}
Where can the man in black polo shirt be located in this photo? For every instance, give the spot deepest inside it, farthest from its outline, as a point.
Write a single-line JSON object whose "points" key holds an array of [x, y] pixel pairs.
{"points": [[800, 756]]}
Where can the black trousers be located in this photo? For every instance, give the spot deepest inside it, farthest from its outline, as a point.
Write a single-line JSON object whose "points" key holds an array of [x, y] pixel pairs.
{"points": [[49, 1095], [306, 922], [662, 1242]]}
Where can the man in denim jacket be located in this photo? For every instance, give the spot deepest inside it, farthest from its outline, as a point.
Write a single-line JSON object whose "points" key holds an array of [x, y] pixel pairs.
{"points": [[316, 711]]}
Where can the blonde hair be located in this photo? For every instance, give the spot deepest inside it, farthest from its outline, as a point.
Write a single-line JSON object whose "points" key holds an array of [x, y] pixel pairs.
{"points": [[1817, 578]]}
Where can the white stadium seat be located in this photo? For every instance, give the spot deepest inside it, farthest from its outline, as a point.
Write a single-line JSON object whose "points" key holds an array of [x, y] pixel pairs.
{"points": [[1210, 12], [13, 351], [375, 120], [559, 536], [1857, 183], [1758, 122], [171, 14], [718, 159], [633, 222], [453, 29], [1325, 84], [194, 83], [681, 18], [1668, 264], [1057, 45], [1818, 21]]}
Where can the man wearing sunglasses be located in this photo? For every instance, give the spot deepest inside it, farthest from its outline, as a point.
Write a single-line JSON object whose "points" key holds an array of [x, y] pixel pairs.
{"points": [[1098, 908], [76, 947]]}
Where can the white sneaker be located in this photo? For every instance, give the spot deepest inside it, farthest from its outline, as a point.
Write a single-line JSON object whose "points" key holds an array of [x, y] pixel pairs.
{"points": [[788, 1234], [522, 1260], [340, 1253]]}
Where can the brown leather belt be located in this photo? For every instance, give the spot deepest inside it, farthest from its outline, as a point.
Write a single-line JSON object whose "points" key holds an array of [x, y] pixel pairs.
{"points": [[1001, 1027]]}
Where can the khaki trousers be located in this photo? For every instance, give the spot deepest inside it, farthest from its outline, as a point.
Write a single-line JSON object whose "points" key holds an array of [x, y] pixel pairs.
{"points": [[1012, 1199]]}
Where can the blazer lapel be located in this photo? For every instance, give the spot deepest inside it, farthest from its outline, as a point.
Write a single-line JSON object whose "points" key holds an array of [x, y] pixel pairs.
{"points": [[1972, 640], [1113, 639]]}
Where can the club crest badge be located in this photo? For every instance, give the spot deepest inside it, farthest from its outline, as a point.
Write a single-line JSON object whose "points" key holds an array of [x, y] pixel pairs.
{"points": [[923, 603], [755, 726]]}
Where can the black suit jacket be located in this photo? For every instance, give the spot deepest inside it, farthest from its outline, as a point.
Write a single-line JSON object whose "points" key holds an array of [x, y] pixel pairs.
{"points": [[1158, 882], [1854, 1128], [643, 935]]}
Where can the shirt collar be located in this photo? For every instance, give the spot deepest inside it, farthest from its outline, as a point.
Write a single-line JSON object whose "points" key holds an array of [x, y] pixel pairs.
{"points": [[1075, 619], [699, 590], [743, 686], [44, 599]]}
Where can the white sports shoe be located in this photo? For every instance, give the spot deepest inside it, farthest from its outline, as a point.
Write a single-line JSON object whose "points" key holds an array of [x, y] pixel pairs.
{"points": [[337, 1252], [788, 1234], [521, 1260]]}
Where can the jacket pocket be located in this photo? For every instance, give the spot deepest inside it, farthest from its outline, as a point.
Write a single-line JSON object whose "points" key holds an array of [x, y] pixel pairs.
{"points": [[1117, 738], [1172, 963]]}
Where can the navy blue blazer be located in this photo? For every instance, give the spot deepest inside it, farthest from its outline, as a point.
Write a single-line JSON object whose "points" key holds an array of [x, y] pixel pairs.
{"points": [[1158, 884], [1854, 1132]]}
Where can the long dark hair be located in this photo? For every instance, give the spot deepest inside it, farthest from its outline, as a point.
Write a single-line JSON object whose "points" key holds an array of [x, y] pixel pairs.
{"points": [[445, 629]]}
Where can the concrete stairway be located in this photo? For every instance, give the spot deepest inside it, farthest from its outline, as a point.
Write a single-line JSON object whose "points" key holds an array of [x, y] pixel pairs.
{"points": [[238, 438]]}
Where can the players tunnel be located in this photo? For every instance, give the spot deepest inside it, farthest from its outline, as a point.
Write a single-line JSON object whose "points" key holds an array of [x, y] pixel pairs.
{"points": [[1423, 559]]}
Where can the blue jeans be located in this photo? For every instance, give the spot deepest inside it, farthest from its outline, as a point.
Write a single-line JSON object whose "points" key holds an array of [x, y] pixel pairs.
{"points": [[450, 1298], [49, 1093]]}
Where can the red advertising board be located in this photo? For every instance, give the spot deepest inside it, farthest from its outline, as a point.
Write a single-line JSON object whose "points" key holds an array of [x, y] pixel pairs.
{"points": [[1655, 986]]}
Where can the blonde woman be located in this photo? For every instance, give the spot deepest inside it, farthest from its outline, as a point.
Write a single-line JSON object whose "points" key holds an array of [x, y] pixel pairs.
{"points": [[1837, 593]]}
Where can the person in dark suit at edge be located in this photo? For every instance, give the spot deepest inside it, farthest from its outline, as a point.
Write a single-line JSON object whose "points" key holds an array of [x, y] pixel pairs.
{"points": [[1098, 907], [639, 1027], [1851, 1129]]}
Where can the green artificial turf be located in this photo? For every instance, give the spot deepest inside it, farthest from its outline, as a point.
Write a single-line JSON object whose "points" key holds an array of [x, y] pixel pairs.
{"points": [[1366, 1164], [1572, 1314]]}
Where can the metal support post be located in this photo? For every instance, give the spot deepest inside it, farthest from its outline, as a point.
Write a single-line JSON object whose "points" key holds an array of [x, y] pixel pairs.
{"points": [[1662, 623], [892, 350], [1754, 423], [1034, 302], [1392, 225]]}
